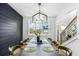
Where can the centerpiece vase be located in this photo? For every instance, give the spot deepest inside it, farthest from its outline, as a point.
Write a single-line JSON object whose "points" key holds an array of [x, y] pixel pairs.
{"points": [[38, 40]]}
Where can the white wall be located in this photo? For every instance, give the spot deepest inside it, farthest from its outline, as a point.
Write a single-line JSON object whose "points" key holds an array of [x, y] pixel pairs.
{"points": [[52, 27], [74, 45], [25, 27], [51, 24]]}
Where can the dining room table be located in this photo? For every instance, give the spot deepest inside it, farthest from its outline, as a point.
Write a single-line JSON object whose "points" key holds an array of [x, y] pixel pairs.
{"points": [[34, 49]]}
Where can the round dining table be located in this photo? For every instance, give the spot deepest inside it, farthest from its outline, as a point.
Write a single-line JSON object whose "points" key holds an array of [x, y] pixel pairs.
{"points": [[39, 49]]}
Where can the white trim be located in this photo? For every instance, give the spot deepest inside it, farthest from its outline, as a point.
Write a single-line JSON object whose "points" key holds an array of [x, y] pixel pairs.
{"points": [[70, 40]]}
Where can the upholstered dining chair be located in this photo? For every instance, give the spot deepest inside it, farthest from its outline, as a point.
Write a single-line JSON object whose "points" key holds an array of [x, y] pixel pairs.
{"points": [[64, 51], [55, 44], [24, 42], [16, 50], [50, 39]]}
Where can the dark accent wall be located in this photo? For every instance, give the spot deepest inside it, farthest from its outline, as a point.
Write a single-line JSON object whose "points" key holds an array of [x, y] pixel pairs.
{"points": [[10, 28]]}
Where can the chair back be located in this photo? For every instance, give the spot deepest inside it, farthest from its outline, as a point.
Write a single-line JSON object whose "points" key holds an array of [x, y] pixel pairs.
{"points": [[16, 50], [55, 43], [66, 51], [24, 41]]}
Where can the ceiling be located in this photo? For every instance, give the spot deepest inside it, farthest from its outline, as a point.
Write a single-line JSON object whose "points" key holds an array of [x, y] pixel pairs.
{"points": [[28, 9]]}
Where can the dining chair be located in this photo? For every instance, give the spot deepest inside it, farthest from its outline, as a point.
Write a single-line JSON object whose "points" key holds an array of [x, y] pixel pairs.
{"points": [[24, 42], [64, 51], [16, 50], [55, 44]]}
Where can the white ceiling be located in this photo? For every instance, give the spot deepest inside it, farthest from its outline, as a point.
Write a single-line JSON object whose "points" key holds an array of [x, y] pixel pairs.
{"points": [[28, 9]]}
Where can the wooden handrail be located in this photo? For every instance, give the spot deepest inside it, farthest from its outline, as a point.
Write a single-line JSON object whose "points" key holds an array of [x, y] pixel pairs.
{"points": [[69, 24], [66, 28]]}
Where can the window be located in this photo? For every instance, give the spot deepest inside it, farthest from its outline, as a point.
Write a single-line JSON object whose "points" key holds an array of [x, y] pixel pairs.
{"points": [[40, 24]]}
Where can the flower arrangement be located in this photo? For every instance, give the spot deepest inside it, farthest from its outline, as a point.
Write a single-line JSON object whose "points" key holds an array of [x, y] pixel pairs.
{"points": [[37, 32]]}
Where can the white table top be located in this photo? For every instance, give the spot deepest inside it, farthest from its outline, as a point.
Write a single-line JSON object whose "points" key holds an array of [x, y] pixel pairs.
{"points": [[39, 48]]}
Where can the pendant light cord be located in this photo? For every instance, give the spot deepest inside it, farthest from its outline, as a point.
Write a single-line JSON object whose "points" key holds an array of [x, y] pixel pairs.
{"points": [[39, 9], [39, 6]]}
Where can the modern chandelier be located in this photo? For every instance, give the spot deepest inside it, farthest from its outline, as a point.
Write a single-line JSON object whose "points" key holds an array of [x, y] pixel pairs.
{"points": [[39, 16]]}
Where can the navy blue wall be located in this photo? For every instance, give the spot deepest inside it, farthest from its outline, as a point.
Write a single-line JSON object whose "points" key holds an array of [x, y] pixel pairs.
{"points": [[10, 28]]}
